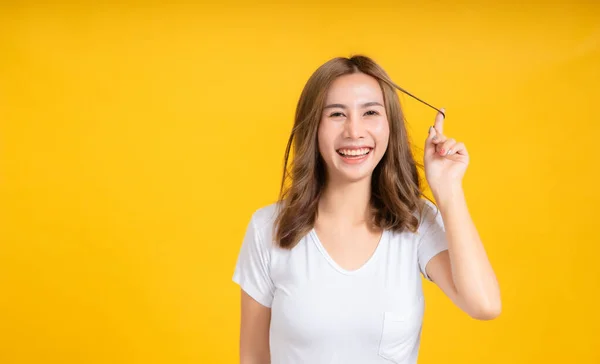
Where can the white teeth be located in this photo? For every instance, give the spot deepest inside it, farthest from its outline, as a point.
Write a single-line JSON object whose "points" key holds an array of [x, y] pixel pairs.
{"points": [[354, 152]]}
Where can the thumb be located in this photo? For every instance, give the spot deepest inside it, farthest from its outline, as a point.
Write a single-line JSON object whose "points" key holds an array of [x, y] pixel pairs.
{"points": [[432, 133]]}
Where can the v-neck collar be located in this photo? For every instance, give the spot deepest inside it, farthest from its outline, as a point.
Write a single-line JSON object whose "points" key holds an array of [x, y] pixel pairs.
{"points": [[336, 266]]}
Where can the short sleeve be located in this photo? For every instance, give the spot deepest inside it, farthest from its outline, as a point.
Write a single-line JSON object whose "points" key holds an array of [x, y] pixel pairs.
{"points": [[433, 236], [252, 267]]}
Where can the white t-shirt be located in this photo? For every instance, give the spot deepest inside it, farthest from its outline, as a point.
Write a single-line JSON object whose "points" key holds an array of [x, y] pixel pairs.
{"points": [[322, 313]]}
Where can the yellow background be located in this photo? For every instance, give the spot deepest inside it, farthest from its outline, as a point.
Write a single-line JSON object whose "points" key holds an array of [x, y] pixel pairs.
{"points": [[137, 139]]}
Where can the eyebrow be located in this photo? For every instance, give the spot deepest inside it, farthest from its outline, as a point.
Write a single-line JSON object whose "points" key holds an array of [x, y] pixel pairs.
{"points": [[342, 106]]}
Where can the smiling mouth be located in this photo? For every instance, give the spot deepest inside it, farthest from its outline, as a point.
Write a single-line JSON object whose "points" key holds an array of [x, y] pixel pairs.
{"points": [[354, 153]]}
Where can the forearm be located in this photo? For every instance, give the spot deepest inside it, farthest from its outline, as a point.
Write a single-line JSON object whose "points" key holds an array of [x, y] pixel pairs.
{"points": [[472, 273]]}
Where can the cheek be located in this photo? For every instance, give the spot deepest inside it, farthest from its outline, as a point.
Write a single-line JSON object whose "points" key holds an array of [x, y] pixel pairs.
{"points": [[322, 144], [381, 132], [324, 138]]}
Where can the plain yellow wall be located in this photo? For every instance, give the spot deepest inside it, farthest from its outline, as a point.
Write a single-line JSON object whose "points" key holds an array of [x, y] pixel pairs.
{"points": [[136, 140]]}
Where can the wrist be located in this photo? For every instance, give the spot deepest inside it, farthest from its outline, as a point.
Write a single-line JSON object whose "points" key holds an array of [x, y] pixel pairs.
{"points": [[447, 194]]}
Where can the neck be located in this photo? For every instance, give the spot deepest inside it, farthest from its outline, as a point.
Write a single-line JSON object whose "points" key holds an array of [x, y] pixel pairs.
{"points": [[346, 204]]}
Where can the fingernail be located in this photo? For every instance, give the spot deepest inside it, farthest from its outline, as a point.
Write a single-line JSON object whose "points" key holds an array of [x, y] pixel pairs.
{"points": [[449, 152]]}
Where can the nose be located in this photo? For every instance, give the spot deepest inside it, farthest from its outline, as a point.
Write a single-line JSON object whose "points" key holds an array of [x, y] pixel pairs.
{"points": [[354, 128]]}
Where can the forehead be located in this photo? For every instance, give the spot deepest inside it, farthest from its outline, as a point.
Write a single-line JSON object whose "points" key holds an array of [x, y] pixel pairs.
{"points": [[356, 86]]}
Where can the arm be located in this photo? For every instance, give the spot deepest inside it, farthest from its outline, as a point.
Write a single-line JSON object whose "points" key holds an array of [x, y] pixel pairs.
{"points": [[463, 272], [254, 332]]}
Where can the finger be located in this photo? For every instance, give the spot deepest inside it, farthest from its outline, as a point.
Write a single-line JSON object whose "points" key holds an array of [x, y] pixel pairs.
{"points": [[439, 121], [460, 149], [438, 137], [429, 144], [445, 147]]}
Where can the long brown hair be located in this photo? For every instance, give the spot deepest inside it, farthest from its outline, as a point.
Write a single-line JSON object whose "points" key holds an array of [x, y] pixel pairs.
{"points": [[395, 184]]}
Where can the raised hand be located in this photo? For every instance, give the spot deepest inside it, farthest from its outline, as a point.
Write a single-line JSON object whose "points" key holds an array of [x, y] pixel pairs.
{"points": [[445, 159]]}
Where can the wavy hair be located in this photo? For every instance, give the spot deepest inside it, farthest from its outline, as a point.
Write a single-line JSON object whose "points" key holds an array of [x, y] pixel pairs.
{"points": [[395, 186]]}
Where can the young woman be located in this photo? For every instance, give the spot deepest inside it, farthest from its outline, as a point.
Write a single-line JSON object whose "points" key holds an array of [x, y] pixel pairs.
{"points": [[330, 273]]}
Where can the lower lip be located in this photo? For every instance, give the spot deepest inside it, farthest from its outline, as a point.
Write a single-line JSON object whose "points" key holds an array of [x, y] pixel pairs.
{"points": [[355, 160]]}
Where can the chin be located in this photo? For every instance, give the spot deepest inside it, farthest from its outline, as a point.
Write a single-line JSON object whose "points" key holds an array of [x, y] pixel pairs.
{"points": [[353, 176], [354, 179]]}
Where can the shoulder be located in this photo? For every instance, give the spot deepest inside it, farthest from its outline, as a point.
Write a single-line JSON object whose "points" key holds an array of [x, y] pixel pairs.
{"points": [[427, 215], [264, 216], [262, 223], [428, 208], [430, 219]]}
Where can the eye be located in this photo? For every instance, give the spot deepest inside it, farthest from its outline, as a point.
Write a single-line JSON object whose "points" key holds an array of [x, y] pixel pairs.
{"points": [[339, 114]]}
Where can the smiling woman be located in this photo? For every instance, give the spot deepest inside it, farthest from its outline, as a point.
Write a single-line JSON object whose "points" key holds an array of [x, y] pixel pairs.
{"points": [[331, 272]]}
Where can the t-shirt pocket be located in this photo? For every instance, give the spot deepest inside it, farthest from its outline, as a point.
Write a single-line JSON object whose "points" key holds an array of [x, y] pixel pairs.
{"points": [[401, 331]]}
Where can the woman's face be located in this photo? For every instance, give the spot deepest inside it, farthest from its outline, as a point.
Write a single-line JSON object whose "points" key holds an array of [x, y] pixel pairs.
{"points": [[354, 130]]}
